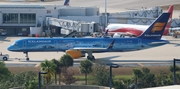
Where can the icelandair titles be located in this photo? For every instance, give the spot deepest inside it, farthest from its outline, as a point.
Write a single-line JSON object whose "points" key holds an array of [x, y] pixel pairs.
{"points": [[39, 41], [152, 35]]}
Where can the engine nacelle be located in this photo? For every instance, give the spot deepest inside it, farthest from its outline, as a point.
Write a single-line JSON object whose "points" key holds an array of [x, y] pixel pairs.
{"points": [[75, 53]]}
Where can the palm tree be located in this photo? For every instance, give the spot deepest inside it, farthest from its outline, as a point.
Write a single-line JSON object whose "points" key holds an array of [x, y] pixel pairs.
{"points": [[48, 67], [137, 74], [65, 62], [85, 68], [57, 68]]}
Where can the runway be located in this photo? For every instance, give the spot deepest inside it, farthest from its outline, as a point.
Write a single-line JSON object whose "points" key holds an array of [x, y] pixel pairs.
{"points": [[121, 63]]}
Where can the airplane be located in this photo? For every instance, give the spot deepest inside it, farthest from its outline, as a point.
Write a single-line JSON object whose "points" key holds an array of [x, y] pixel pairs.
{"points": [[135, 30], [76, 47]]}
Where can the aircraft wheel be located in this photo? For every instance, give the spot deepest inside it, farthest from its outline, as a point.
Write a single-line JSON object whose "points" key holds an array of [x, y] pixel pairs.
{"points": [[91, 58], [88, 58], [27, 59], [5, 58]]}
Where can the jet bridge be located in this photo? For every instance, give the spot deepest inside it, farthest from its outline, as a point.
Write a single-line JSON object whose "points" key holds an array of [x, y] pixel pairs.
{"points": [[66, 24], [78, 26]]}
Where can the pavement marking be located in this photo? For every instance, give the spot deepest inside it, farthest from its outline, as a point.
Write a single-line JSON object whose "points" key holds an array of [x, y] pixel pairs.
{"points": [[37, 65], [140, 64]]}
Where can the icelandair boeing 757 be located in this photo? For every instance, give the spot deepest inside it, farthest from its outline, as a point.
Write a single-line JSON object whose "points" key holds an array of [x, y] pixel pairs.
{"points": [[75, 47]]}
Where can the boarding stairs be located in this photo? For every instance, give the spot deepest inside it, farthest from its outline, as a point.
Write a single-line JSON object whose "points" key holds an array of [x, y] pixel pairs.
{"points": [[72, 34]]}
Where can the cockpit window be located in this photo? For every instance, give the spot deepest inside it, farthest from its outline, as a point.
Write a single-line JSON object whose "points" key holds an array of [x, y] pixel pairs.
{"points": [[15, 44]]}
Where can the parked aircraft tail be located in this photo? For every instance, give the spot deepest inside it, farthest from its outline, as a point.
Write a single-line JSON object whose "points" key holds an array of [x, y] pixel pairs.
{"points": [[66, 2], [156, 29], [170, 10]]}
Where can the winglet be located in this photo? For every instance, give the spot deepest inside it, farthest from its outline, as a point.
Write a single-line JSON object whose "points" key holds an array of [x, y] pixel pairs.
{"points": [[157, 28], [111, 45], [107, 32], [66, 2]]}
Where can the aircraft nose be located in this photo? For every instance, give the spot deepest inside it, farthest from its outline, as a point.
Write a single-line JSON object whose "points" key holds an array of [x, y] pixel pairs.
{"points": [[9, 48]]}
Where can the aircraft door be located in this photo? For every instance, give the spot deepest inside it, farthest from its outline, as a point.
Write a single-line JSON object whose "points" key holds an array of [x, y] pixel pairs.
{"points": [[128, 43], [56, 44], [132, 43], [24, 44], [139, 42]]}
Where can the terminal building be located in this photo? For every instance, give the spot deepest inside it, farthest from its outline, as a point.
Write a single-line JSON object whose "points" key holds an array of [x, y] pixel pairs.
{"points": [[31, 19], [58, 19]]}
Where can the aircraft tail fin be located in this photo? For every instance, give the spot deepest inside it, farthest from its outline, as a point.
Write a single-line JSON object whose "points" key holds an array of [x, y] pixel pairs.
{"points": [[156, 29], [66, 2], [170, 10]]}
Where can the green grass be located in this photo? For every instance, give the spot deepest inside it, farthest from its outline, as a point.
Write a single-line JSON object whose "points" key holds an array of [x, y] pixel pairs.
{"points": [[117, 77], [81, 78], [122, 77]]}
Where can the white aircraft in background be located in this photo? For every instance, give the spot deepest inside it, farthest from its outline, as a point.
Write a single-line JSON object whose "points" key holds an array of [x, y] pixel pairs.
{"points": [[135, 30]]}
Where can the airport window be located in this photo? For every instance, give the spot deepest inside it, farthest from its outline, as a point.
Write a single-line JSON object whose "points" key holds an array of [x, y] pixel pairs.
{"points": [[10, 18], [27, 18], [53, 30], [24, 29]]}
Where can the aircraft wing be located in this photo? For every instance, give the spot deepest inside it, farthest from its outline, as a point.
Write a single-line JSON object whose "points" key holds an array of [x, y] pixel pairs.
{"points": [[93, 48]]}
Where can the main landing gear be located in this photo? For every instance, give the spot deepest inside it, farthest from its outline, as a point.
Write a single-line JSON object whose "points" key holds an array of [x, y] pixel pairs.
{"points": [[90, 56], [27, 58]]}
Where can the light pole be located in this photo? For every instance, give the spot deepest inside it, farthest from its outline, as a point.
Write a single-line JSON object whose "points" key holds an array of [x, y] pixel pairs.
{"points": [[105, 12], [111, 65], [174, 68], [39, 78]]}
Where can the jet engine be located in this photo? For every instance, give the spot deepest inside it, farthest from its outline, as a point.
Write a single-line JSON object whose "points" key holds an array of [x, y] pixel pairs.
{"points": [[75, 53]]}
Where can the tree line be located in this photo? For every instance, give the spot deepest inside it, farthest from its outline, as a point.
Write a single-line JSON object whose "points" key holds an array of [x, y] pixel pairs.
{"points": [[59, 71]]}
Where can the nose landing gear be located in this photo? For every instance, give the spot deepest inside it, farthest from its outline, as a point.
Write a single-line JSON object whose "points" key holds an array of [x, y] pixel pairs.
{"points": [[27, 58]]}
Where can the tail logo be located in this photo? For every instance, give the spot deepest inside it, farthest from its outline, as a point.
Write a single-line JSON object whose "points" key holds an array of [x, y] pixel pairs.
{"points": [[158, 27]]}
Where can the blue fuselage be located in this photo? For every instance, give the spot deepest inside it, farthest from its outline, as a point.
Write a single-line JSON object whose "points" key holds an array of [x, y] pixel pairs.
{"points": [[63, 44]]}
